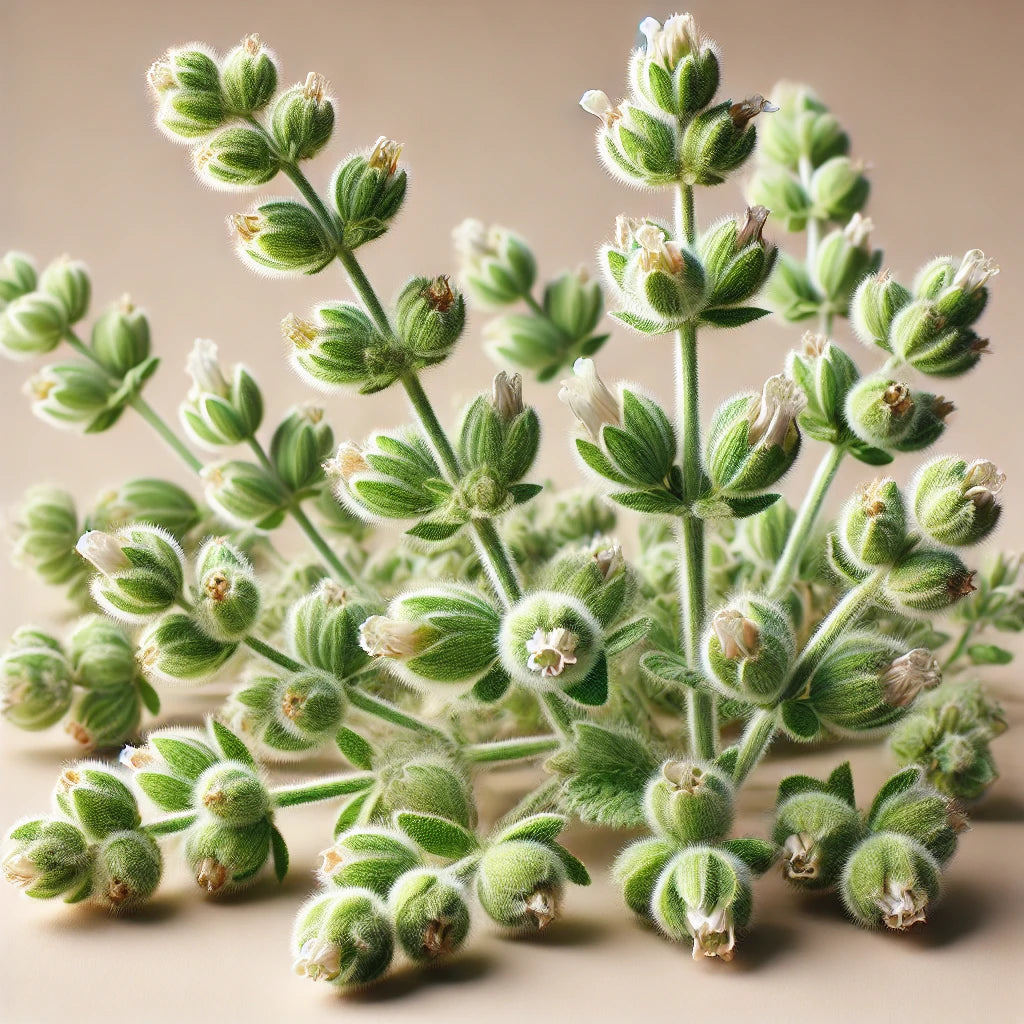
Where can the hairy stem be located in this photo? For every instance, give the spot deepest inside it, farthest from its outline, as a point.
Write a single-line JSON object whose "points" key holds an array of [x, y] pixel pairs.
{"points": [[518, 749], [320, 789], [388, 712], [168, 826], [757, 736], [961, 646]]}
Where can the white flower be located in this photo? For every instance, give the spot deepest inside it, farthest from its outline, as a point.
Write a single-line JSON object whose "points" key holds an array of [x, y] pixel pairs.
{"points": [[713, 932], [608, 558], [800, 856], [902, 906], [738, 635], [385, 155], [625, 230], [542, 906], [472, 241], [659, 252], [103, 551], [211, 875], [204, 369], [858, 231], [982, 482], [136, 758], [318, 960], [313, 87], [908, 675], [382, 637], [671, 42], [974, 271], [299, 331], [588, 398], [347, 462], [507, 395], [596, 102], [551, 651], [19, 870], [770, 418]]}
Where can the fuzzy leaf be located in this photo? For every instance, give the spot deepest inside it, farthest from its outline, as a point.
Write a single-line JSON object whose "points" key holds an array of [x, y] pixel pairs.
{"points": [[280, 850], [627, 635], [544, 828], [989, 654], [167, 792], [793, 784], [434, 530], [150, 698], [800, 720], [351, 809], [522, 493], [899, 783], [185, 759], [727, 759], [656, 502], [592, 690], [869, 455], [493, 686], [575, 870], [840, 783], [732, 316], [757, 854], [234, 749], [354, 748], [596, 460], [670, 670], [643, 324], [437, 835], [750, 506]]}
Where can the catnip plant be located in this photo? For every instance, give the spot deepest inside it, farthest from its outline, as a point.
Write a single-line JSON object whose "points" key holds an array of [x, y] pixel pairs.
{"points": [[507, 624]]}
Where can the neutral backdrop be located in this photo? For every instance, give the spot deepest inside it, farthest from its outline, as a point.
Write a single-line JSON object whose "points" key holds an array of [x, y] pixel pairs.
{"points": [[484, 96]]}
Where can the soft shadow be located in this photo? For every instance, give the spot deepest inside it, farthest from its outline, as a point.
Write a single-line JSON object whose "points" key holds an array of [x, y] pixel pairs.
{"points": [[89, 917], [296, 882], [574, 931], [410, 977], [997, 807], [760, 946], [965, 909]]}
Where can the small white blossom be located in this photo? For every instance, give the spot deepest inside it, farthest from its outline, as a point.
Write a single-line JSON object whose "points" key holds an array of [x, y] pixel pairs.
{"points": [[507, 395], [738, 635], [472, 241], [314, 86], [596, 102], [211, 875], [299, 332], [858, 231], [318, 960], [902, 906], [608, 558], [908, 675], [800, 856], [974, 271], [625, 230], [382, 637], [770, 418], [713, 932], [19, 870], [347, 462], [982, 482], [385, 155], [671, 42], [204, 369], [542, 906], [551, 651], [589, 399], [659, 251], [103, 551]]}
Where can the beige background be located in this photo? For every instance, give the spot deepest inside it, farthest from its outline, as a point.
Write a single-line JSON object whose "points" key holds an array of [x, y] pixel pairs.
{"points": [[484, 96]]}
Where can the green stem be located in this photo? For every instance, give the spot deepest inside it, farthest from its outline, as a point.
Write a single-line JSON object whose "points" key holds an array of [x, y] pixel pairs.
{"points": [[432, 427], [320, 789], [388, 712], [756, 737], [535, 306], [806, 519], [559, 713], [961, 645], [264, 650], [168, 826], [686, 220], [518, 749], [364, 290]]}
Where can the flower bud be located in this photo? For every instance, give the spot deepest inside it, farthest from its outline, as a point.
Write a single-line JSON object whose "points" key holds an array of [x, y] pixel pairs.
{"points": [[877, 300], [282, 237], [218, 413], [68, 281], [149, 500], [816, 831], [890, 879], [120, 337], [825, 374], [368, 858], [105, 718], [101, 654], [233, 794], [754, 439], [70, 395], [589, 399], [344, 938], [96, 799], [302, 119], [430, 318], [299, 447], [660, 279], [689, 802], [496, 267], [764, 536], [922, 813], [427, 781], [245, 494], [842, 259], [779, 191], [430, 912], [574, 304], [637, 869], [927, 423], [49, 858], [958, 292], [719, 140], [323, 629], [223, 858], [237, 157], [803, 128], [368, 190], [128, 870], [677, 70], [186, 84], [140, 570], [177, 649], [598, 576], [955, 501], [839, 189], [291, 715], [37, 682], [926, 581], [873, 524], [440, 635], [498, 433], [880, 410], [749, 648], [227, 592], [46, 531], [737, 260], [249, 76], [32, 325], [519, 884], [637, 146], [17, 276]]}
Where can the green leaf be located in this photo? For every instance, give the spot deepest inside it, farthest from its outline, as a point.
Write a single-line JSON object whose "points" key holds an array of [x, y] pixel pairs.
{"points": [[434, 530], [544, 828], [596, 460], [899, 783], [354, 748], [167, 792], [670, 670], [732, 316], [751, 506], [522, 493], [800, 720], [351, 810], [657, 502], [793, 784], [867, 454], [437, 835], [757, 854], [150, 698], [989, 654], [727, 759], [186, 759], [627, 635], [575, 870], [493, 686], [232, 746], [643, 324], [280, 850], [840, 784], [592, 690]]}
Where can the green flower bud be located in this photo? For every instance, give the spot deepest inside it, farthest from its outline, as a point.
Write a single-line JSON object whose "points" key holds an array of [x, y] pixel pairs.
{"points": [[245, 494], [598, 576], [637, 869], [498, 433], [96, 799], [958, 292], [368, 190], [46, 531], [291, 715], [881, 411], [574, 304], [955, 501], [227, 592], [299, 447], [234, 794], [923, 337], [677, 71], [638, 146], [925, 581], [790, 290], [764, 536], [749, 648], [120, 337], [825, 374], [737, 260], [430, 319], [128, 870], [32, 325], [368, 858], [49, 858], [37, 682], [17, 276], [70, 395], [549, 641], [777, 190], [344, 938], [430, 912], [519, 883], [177, 649], [890, 879], [877, 300], [816, 831], [323, 630], [105, 718], [249, 76], [68, 281], [719, 140], [223, 858], [754, 439], [803, 128], [282, 237], [139, 570], [439, 635], [496, 267], [186, 85], [218, 413], [842, 259], [839, 189], [148, 500], [102, 654], [660, 279], [302, 119], [927, 422], [426, 781], [873, 524], [704, 894], [922, 813], [689, 802], [237, 157]]}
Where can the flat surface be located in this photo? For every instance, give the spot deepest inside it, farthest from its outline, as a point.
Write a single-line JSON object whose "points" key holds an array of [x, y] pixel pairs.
{"points": [[484, 96]]}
